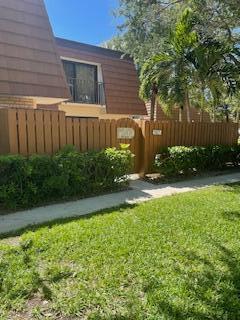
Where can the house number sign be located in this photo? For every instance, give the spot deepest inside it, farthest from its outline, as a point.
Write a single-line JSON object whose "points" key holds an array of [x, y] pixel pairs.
{"points": [[157, 132], [125, 133]]}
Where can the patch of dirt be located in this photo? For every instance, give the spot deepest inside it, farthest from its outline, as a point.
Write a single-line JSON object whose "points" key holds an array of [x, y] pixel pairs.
{"points": [[12, 241], [37, 308], [156, 178]]}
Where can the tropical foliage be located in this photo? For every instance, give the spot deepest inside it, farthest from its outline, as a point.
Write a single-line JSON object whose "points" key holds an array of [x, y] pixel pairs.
{"points": [[181, 160], [187, 52], [171, 70], [194, 70], [147, 23]]}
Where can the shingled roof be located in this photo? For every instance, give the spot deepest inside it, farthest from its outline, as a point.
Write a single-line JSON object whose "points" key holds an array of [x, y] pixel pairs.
{"points": [[29, 62]]}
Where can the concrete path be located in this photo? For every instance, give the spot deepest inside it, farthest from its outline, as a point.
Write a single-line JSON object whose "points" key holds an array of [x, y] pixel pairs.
{"points": [[140, 191]]}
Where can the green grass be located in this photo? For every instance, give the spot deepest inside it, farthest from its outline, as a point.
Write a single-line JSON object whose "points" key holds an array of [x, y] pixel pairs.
{"points": [[173, 258]]}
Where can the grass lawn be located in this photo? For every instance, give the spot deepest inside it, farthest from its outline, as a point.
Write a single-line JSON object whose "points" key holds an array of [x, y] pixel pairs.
{"points": [[173, 258]]}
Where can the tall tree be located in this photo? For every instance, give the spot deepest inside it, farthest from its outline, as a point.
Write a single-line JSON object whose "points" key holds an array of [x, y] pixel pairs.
{"points": [[171, 71], [193, 66], [147, 23], [145, 32], [216, 66]]}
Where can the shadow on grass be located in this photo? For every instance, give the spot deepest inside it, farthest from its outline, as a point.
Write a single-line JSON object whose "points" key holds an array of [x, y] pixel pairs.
{"points": [[215, 290], [233, 187], [62, 221], [231, 215]]}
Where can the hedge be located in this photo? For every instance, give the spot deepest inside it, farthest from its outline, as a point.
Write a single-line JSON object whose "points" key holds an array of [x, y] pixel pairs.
{"points": [[175, 161], [29, 181]]}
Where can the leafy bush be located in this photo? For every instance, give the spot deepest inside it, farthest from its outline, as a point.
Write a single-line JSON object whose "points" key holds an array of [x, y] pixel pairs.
{"points": [[188, 160], [29, 181]]}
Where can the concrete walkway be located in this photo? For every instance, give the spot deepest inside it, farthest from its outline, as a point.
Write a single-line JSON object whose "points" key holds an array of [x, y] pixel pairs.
{"points": [[140, 191]]}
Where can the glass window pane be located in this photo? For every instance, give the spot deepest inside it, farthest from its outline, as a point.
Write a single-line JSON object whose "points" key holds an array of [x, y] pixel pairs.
{"points": [[69, 69], [82, 81], [86, 83]]}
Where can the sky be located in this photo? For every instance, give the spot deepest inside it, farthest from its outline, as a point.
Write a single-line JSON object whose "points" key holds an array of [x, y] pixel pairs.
{"points": [[88, 21]]}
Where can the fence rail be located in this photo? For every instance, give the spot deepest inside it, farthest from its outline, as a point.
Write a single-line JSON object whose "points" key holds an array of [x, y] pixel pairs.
{"points": [[26, 132]]}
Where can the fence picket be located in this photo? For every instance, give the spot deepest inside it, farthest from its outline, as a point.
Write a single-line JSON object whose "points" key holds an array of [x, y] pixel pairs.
{"points": [[76, 134], [44, 131], [83, 134], [13, 131], [40, 132], [22, 131], [69, 130], [55, 131], [31, 132], [62, 129]]}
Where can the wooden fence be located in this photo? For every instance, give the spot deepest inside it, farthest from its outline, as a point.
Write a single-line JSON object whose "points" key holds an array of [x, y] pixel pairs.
{"points": [[26, 132], [157, 134]]}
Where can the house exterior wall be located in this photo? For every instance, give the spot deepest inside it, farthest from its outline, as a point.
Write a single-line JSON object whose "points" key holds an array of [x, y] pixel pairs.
{"points": [[118, 73], [88, 111], [29, 63]]}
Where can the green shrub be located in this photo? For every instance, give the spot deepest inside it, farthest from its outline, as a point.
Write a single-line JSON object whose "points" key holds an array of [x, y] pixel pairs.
{"points": [[30, 181], [175, 161]]}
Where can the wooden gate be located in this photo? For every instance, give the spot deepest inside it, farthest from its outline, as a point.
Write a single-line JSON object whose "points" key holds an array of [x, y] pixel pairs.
{"points": [[135, 142], [94, 134]]}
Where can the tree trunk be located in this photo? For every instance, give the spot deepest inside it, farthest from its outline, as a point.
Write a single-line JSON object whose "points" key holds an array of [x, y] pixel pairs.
{"points": [[202, 104], [153, 101], [227, 117], [187, 106]]}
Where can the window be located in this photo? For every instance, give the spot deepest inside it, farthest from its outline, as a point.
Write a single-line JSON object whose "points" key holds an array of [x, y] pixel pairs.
{"points": [[83, 82]]}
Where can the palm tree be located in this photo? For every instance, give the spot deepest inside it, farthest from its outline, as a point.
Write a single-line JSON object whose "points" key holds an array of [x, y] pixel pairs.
{"points": [[216, 68], [192, 67], [170, 72]]}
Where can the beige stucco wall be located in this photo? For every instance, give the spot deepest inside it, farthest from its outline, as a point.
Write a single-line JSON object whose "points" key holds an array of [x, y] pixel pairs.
{"points": [[88, 110]]}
